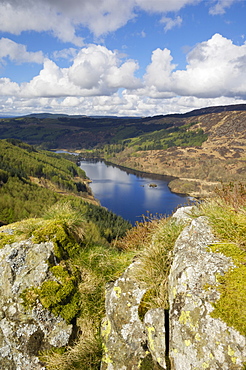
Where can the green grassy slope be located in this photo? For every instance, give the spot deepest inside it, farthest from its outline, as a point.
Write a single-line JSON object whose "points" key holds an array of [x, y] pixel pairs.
{"points": [[33, 180]]}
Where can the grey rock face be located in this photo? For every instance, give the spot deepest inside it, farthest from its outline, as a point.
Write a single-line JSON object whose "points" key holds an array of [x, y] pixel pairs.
{"points": [[24, 333], [182, 214], [122, 330], [154, 321], [198, 341]]}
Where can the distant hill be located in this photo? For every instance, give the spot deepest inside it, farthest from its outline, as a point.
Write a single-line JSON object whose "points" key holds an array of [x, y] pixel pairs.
{"points": [[200, 150], [51, 115], [51, 131], [214, 109], [201, 147]]}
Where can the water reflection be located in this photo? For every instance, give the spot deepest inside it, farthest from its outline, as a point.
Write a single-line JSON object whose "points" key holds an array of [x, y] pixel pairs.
{"points": [[129, 195]]}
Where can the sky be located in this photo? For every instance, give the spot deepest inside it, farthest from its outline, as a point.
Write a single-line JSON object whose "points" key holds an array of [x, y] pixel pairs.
{"points": [[121, 57]]}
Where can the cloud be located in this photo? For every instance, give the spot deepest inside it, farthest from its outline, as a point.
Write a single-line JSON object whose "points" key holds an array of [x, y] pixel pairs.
{"points": [[159, 71], [171, 23], [36, 16], [18, 53], [63, 18], [102, 82], [127, 104], [68, 54], [160, 6], [220, 6], [7, 87], [214, 68], [95, 71]]}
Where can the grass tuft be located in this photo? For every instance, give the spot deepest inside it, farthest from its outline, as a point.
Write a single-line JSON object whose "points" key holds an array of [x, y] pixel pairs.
{"points": [[138, 237], [155, 262], [86, 354]]}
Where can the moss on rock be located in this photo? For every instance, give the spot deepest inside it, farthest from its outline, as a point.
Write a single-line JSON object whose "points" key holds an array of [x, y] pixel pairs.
{"points": [[60, 296], [231, 305], [56, 231]]}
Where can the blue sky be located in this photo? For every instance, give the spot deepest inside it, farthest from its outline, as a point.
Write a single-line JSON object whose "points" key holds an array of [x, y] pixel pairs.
{"points": [[125, 58]]}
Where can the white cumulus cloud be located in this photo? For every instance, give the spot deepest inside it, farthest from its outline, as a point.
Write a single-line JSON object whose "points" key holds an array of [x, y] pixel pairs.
{"points": [[95, 71], [214, 68], [7, 87], [18, 52]]}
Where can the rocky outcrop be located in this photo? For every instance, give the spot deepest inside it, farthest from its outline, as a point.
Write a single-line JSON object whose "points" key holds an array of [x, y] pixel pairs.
{"points": [[190, 339], [122, 331], [198, 341], [128, 341], [185, 337], [23, 333]]}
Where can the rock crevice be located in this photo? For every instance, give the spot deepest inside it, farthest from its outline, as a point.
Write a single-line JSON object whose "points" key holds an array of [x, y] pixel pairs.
{"points": [[192, 338]]}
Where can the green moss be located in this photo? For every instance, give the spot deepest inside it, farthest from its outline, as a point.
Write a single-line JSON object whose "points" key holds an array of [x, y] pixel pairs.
{"points": [[71, 310], [60, 297], [231, 305], [56, 231], [6, 239]]}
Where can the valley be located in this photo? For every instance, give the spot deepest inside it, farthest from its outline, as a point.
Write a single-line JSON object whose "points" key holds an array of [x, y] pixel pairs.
{"points": [[200, 148]]}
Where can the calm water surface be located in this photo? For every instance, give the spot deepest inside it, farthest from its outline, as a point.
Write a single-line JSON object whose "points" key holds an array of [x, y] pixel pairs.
{"points": [[129, 195]]}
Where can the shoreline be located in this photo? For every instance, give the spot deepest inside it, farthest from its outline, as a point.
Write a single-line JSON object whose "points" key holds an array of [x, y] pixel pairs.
{"points": [[150, 175], [186, 187]]}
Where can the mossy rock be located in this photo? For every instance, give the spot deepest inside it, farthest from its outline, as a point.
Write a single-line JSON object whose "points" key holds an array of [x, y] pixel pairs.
{"points": [[55, 231], [60, 296], [231, 305]]}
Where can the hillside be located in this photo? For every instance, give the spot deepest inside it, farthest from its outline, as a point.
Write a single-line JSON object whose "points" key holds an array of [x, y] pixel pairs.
{"points": [[199, 166], [200, 148], [32, 181]]}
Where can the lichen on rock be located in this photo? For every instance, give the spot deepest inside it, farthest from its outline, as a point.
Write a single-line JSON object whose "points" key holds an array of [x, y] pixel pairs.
{"points": [[154, 321], [197, 340], [194, 338], [123, 332], [24, 333]]}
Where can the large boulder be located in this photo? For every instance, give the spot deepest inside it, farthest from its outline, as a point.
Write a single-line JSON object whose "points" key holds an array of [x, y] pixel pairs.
{"points": [[195, 340], [129, 343], [24, 333], [198, 341]]}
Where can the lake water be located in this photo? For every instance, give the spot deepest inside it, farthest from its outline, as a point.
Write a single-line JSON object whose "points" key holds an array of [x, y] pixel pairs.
{"points": [[129, 194]]}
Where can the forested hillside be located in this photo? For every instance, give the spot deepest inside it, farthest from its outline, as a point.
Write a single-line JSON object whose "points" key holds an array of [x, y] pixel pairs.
{"points": [[92, 247], [77, 132], [31, 181], [199, 148]]}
